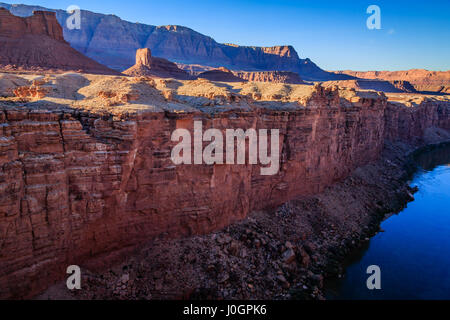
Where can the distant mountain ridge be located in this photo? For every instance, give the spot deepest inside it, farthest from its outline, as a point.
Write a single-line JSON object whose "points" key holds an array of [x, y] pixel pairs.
{"points": [[37, 43], [113, 42]]}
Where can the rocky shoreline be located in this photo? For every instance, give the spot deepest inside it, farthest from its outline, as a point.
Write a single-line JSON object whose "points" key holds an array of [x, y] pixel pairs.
{"points": [[280, 253]]}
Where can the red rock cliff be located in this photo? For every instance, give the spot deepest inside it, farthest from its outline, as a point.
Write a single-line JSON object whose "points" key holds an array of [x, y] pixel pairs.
{"points": [[37, 43], [41, 23], [146, 65], [76, 184]]}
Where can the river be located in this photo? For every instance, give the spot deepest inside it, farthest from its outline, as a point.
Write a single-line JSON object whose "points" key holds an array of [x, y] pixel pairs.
{"points": [[413, 252]]}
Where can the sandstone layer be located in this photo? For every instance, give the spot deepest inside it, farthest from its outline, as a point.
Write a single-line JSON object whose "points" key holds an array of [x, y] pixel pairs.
{"points": [[289, 252], [85, 162], [36, 43]]}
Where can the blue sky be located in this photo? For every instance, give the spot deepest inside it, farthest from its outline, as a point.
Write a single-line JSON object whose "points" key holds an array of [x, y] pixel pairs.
{"points": [[414, 34]]}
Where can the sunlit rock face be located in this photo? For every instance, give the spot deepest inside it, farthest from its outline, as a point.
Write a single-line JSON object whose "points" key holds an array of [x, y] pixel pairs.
{"points": [[36, 43], [86, 169]]}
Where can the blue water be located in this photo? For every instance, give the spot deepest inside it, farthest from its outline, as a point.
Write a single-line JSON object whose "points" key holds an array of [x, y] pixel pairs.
{"points": [[414, 251]]}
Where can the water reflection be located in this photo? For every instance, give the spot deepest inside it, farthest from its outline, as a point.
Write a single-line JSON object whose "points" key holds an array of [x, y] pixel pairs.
{"points": [[436, 157], [413, 251]]}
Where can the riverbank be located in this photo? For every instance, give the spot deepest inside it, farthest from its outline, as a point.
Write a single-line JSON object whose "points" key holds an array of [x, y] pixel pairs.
{"points": [[410, 251], [284, 253]]}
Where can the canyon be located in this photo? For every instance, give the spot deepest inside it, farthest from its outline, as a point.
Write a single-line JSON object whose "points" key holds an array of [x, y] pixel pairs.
{"points": [[147, 65], [87, 177], [86, 169]]}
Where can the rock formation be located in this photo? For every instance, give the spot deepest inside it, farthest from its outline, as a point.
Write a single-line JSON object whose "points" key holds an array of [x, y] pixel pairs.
{"points": [[271, 76], [421, 80], [146, 65], [41, 23], [81, 177], [113, 42], [221, 74], [37, 43]]}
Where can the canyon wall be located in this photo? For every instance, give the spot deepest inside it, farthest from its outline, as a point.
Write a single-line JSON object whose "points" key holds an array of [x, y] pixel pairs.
{"points": [[427, 122], [76, 184]]}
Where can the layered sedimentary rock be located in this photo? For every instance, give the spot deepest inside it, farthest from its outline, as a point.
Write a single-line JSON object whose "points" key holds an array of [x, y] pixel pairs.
{"points": [[420, 122], [113, 42], [85, 177], [421, 80], [37, 43], [224, 74], [146, 65], [271, 76], [40, 23]]}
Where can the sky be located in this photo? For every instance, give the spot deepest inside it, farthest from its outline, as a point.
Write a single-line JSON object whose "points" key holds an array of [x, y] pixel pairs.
{"points": [[333, 34]]}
